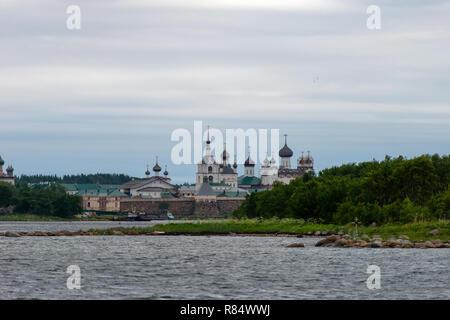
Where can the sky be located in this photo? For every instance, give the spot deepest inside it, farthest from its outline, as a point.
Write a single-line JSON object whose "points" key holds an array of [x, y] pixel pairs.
{"points": [[106, 97]]}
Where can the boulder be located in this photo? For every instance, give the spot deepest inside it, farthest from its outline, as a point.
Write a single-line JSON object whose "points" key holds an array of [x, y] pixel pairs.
{"points": [[332, 238], [434, 232], [117, 233], [375, 244], [376, 237], [438, 243], [158, 233], [361, 243], [419, 245], [429, 244], [403, 237], [341, 243], [327, 240], [321, 243], [406, 244], [324, 233], [393, 243], [12, 234], [317, 233], [296, 245], [365, 237]]}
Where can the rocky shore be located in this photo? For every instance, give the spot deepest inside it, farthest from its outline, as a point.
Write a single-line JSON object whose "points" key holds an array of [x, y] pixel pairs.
{"points": [[329, 239], [347, 241]]}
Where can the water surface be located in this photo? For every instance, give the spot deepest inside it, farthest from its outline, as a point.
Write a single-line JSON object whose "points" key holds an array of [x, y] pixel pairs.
{"points": [[193, 267]]}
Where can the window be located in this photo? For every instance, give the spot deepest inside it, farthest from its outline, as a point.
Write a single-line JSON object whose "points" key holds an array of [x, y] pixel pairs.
{"points": [[210, 178], [209, 169], [89, 204]]}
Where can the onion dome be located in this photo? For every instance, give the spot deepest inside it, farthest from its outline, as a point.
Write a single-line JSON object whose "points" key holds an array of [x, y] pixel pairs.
{"points": [[10, 170], [266, 162], [249, 162], [156, 168], [235, 165], [1, 161], [147, 173], [166, 173], [285, 152]]}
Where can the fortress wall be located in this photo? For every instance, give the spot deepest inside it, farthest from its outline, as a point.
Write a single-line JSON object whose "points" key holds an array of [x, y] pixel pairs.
{"points": [[183, 206]]}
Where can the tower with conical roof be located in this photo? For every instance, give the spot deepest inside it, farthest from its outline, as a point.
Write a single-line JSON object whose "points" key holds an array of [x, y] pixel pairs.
{"points": [[249, 166], [305, 164], [208, 169]]}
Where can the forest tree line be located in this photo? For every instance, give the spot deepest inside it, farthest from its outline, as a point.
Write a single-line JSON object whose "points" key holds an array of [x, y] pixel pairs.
{"points": [[395, 190], [45, 201], [97, 178]]}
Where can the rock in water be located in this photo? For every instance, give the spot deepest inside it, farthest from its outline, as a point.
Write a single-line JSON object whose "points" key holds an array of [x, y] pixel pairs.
{"points": [[12, 234], [296, 245]]}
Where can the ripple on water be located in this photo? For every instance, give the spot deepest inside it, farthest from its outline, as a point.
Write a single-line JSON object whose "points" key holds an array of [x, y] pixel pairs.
{"points": [[179, 267]]}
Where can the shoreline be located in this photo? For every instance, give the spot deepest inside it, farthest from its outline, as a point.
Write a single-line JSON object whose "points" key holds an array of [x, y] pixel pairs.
{"points": [[416, 235]]}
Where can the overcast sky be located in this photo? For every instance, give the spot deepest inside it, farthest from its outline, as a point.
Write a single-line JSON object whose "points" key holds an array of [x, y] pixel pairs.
{"points": [[107, 97]]}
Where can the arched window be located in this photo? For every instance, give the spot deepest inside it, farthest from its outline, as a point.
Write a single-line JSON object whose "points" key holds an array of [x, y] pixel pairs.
{"points": [[210, 178], [210, 169], [205, 179]]}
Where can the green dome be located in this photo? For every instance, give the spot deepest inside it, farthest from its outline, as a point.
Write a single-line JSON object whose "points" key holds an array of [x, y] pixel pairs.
{"points": [[1, 161]]}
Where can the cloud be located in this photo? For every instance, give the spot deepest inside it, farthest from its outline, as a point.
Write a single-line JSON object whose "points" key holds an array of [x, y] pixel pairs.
{"points": [[308, 5], [138, 70]]}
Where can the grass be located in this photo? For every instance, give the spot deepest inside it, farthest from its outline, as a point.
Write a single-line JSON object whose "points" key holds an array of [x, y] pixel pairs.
{"points": [[415, 231]]}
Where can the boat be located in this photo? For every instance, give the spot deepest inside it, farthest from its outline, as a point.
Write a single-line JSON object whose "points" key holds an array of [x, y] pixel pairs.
{"points": [[170, 216]]}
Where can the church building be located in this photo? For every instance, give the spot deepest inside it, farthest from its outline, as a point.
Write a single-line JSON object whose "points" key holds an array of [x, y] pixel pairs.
{"points": [[9, 175], [216, 174]]}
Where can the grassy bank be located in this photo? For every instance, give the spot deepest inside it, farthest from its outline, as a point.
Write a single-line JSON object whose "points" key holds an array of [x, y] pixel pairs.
{"points": [[415, 231]]}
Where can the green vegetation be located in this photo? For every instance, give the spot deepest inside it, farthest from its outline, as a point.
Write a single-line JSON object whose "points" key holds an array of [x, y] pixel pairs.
{"points": [[244, 226], [31, 217], [391, 191], [51, 201], [415, 231], [98, 178]]}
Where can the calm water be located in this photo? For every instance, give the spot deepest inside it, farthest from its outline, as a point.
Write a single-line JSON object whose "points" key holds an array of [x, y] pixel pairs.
{"points": [[184, 267], [28, 226]]}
